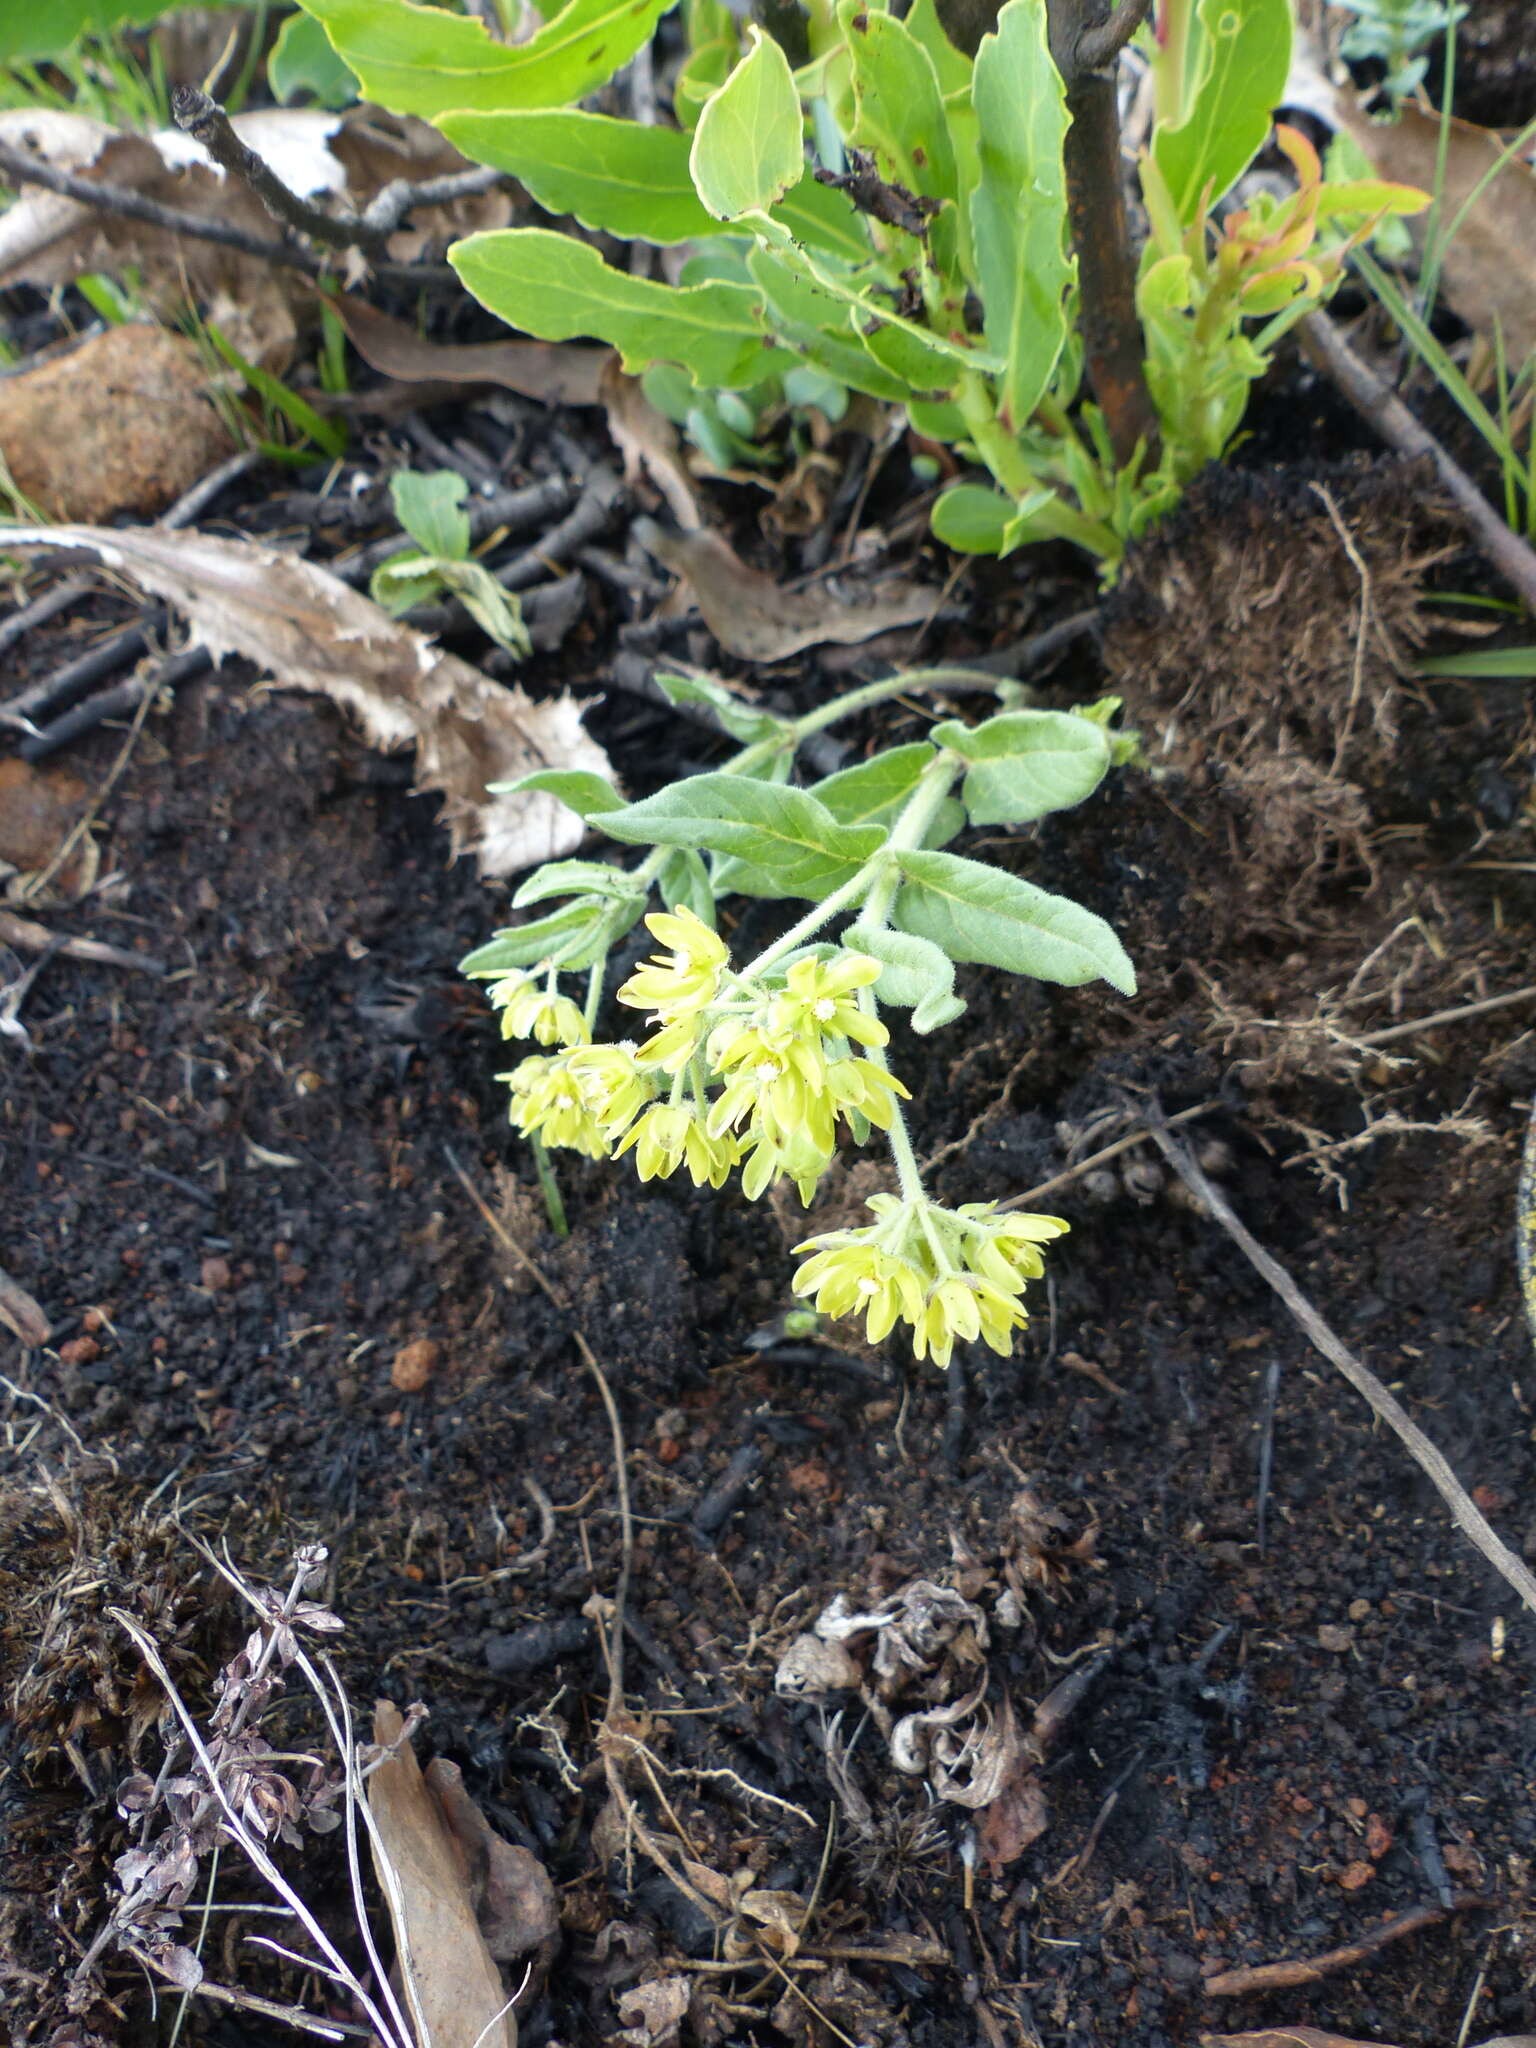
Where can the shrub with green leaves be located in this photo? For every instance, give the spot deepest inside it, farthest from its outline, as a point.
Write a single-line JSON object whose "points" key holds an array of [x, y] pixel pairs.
{"points": [[760, 1067], [893, 215]]}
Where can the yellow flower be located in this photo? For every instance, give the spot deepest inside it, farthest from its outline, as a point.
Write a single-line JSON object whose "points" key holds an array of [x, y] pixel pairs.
{"points": [[797, 1158], [815, 1003], [673, 1046], [613, 1086], [673, 1134], [684, 981], [548, 1103], [530, 1009], [769, 1088], [953, 1275]]}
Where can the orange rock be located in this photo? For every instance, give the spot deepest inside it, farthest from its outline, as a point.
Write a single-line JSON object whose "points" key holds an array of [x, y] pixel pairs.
{"points": [[38, 806], [1356, 1874], [141, 427], [415, 1364]]}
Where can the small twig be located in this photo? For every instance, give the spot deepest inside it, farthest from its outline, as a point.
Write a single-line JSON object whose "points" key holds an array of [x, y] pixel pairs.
{"points": [[614, 1639], [1465, 1512], [202, 494], [28, 937], [115, 703], [1267, 1454], [67, 685], [18, 168], [1140, 1136], [1309, 1970], [499, 1230], [201, 117], [399, 199], [1329, 352], [1438, 1017], [43, 608], [1525, 1223]]}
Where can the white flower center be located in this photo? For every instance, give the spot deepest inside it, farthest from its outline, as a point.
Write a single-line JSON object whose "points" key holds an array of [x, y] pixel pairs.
{"points": [[768, 1070], [868, 1286], [824, 1009]]}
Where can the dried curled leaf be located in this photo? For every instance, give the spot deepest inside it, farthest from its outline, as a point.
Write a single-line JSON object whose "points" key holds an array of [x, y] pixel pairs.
{"points": [[309, 631], [453, 1988]]}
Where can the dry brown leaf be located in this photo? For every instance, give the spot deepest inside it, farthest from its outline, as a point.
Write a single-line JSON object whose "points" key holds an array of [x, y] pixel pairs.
{"points": [[648, 442], [515, 1903], [752, 617], [309, 631], [340, 161], [653, 2013], [1016, 1817], [453, 1988], [555, 372], [1488, 267]]}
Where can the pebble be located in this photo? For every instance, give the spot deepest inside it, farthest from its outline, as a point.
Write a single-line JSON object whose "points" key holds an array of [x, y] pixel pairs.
{"points": [[1331, 1636], [415, 1364], [216, 1276]]}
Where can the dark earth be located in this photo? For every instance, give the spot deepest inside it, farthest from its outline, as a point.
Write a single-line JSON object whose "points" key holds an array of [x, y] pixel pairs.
{"points": [[240, 1190]]}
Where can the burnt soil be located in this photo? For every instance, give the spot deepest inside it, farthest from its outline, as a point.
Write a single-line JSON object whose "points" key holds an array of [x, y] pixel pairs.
{"points": [[237, 1188]]}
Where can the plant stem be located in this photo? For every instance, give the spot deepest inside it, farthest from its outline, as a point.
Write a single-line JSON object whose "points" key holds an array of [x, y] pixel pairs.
{"points": [[819, 914], [594, 993], [1084, 48], [549, 1187]]}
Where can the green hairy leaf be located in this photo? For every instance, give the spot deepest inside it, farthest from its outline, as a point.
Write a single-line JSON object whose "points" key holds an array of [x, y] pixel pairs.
{"points": [[1018, 212], [743, 721], [554, 287], [574, 936], [576, 877], [424, 60], [979, 913], [1241, 53], [684, 880], [748, 150], [872, 792], [581, 791], [1027, 763], [782, 836], [915, 974]]}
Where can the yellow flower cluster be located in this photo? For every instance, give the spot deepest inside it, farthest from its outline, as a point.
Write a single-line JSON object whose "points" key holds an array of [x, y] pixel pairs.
{"points": [[782, 1058], [949, 1273]]}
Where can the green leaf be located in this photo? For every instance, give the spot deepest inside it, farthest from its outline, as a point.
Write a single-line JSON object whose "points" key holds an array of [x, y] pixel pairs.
{"points": [[784, 836], [1483, 662], [816, 325], [898, 109], [980, 913], [1241, 56], [915, 974], [556, 287], [743, 721], [616, 177], [972, 519], [406, 579], [873, 791], [576, 877], [574, 936], [328, 435], [430, 506], [748, 150], [824, 219], [951, 67], [302, 60], [1018, 212], [498, 612], [1025, 764], [684, 881], [30, 31], [588, 795], [424, 60]]}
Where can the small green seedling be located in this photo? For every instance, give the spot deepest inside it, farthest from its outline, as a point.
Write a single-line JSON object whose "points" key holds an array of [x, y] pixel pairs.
{"points": [[431, 509], [763, 1068]]}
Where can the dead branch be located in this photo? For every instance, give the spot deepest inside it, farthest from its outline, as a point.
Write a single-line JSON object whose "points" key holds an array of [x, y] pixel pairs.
{"points": [[28, 937], [1312, 1969], [1329, 352], [1467, 1516], [199, 115]]}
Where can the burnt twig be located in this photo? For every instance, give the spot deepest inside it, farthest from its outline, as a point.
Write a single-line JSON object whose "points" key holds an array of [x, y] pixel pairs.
{"points": [[28, 937], [199, 115], [1329, 352]]}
